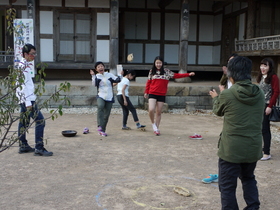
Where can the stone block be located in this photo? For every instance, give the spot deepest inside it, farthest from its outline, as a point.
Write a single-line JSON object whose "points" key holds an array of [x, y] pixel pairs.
{"points": [[49, 90], [178, 91], [199, 91], [142, 80], [164, 108], [190, 106], [172, 100], [80, 90], [136, 90], [134, 100]]}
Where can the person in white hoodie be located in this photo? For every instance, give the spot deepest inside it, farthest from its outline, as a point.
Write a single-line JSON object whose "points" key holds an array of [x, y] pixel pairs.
{"points": [[29, 109]]}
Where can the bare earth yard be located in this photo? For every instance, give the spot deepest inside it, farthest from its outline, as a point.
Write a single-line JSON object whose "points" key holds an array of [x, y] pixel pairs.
{"points": [[128, 170]]}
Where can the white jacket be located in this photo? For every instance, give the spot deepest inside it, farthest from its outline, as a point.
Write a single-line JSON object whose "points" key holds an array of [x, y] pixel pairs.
{"points": [[25, 93]]}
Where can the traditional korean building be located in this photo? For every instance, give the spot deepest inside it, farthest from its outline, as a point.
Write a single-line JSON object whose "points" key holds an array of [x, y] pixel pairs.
{"points": [[191, 35]]}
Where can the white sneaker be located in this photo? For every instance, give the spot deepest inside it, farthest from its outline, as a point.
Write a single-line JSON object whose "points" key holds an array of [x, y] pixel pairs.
{"points": [[266, 157]]}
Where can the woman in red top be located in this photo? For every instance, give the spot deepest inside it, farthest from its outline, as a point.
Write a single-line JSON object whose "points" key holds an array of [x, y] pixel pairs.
{"points": [[269, 83], [156, 88]]}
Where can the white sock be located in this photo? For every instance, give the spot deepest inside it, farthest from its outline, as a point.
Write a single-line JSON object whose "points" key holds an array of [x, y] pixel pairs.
{"points": [[154, 127]]}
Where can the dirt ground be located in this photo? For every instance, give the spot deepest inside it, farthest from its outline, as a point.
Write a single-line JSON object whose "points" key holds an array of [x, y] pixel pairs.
{"points": [[128, 170]]}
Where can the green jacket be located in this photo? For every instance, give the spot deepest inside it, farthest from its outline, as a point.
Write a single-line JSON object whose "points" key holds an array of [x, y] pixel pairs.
{"points": [[242, 106]]}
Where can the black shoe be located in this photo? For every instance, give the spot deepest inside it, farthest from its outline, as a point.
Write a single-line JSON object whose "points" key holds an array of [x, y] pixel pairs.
{"points": [[42, 152], [25, 149]]}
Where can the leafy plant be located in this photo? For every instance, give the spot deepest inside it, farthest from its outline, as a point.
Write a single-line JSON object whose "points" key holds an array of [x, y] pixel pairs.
{"points": [[9, 108]]}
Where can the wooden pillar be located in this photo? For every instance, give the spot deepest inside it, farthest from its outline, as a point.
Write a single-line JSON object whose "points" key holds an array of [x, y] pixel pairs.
{"points": [[30, 6], [250, 29], [184, 39], [114, 36], [30, 9]]}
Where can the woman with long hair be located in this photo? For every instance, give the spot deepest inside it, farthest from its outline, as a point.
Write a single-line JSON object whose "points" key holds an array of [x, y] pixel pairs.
{"points": [[269, 83], [156, 89]]}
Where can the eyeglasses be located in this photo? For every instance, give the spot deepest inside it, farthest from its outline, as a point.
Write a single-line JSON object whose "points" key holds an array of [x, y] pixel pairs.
{"points": [[33, 54]]}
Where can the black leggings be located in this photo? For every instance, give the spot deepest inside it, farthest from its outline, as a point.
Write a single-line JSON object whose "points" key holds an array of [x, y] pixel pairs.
{"points": [[266, 133], [127, 108]]}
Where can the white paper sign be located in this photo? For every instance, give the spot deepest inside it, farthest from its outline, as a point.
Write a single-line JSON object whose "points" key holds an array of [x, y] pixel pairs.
{"points": [[24, 34]]}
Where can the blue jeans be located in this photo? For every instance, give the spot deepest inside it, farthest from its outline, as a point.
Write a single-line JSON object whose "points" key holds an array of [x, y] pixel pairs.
{"points": [[228, 174], [24, 123], [127, 108]]}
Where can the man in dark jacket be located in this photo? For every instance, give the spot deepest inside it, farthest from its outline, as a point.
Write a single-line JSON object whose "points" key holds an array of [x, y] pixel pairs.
{"points": [[240, 143]]}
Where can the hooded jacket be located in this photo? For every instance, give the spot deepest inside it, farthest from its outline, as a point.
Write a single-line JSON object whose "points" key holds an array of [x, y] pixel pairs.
{"points": [[242, 106]]}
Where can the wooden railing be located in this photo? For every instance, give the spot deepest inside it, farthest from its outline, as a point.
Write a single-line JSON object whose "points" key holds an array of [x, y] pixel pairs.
{"points": [[6, 56], [257, 44]]}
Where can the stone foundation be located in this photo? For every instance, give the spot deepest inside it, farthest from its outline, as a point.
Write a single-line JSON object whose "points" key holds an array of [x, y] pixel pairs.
{"points": [[183, 96]]}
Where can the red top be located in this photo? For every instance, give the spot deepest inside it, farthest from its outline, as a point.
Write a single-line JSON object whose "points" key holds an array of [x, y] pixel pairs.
{"points": [[157, 84], [275, 90]]}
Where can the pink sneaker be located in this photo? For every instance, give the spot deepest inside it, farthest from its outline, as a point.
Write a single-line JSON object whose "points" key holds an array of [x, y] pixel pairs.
{"points": [[101, 133], [196, 136], [99, 128], [157, 132]]}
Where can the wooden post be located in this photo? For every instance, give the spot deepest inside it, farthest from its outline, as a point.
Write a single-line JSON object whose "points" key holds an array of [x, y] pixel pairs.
{"points": [[250, 33], [184, 39], [114, 36], [30, 4], [30, 9]]}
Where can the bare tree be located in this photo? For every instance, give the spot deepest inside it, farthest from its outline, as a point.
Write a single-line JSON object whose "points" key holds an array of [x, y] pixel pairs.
{"points": [[9, 108]]}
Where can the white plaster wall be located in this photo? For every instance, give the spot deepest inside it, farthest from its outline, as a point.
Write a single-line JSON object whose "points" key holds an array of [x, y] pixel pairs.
{"points": [[152, 50], [205, 55], [102, 49], [216, 55], [24, 14], [155, 28], [191, 54], [217, 32], [193, 25], [46, 50], [103, 23], [46, 22], [53, 3], [206, 28], [172, 28], [171, 53], [99, 3]]}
